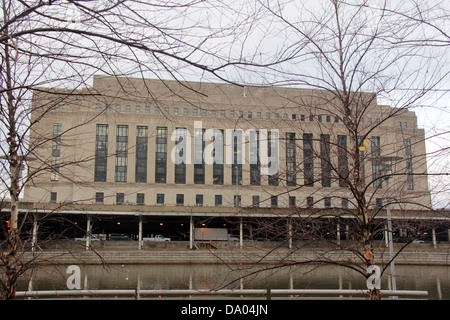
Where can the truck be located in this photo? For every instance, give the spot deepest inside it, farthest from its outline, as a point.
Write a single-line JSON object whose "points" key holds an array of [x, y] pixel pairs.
{"points": [[213, 234], [158, 237]]}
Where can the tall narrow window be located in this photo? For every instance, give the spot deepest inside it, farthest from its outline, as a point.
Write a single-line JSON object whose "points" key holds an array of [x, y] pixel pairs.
{"points": [[161, 155], [218, 200], [409, 168], [325, 160], [274, 178], [376, 165], [362, 170], [308, 159], [99, 196], [140, 198], [180, 199], [141, 153], [236, 168], [342, 160], [120, 198], [292, 202], [180, 168], [199, 200], [218, 158], [274, 201], [291, 176], [255, 164], [255, 201], [237, 200], [199, 159], [121, 153], [56, 151], [101, 152]]}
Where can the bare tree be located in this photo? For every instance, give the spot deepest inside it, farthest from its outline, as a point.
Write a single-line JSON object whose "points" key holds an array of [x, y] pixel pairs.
{"points": [[51, 44], [354, 55]]}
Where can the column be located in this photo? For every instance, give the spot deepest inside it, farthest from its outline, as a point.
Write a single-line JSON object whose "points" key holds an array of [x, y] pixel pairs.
{"points": [[88, 232], [289, 224], [433, 234], [35, 231], [141, 218], [191, 232], [241, 234]]}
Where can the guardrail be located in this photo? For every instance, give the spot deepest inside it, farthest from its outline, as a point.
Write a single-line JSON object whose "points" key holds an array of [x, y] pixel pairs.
{"points": [[262, 293]]}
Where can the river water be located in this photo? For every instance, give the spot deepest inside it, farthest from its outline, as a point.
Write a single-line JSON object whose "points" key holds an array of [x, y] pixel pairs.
{"points": [[434, 279]]}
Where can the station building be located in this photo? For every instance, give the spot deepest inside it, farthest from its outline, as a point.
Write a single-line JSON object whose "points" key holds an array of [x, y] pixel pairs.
{"points": [[144, 156]]}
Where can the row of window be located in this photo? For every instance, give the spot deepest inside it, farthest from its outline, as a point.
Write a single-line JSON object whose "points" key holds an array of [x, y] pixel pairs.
{"points": [[218, 200], [233, 114], [161, 153]]}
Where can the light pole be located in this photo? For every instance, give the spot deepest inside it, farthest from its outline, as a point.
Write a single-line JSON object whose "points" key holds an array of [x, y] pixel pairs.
{"points": [[386, 162]]}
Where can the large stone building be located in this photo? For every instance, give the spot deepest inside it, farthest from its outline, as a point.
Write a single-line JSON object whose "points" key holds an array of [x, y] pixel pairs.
{"points": [[117, 143]]}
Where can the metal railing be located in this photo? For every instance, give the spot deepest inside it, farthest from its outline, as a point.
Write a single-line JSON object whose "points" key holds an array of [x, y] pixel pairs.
{"points": [[224, 293]]}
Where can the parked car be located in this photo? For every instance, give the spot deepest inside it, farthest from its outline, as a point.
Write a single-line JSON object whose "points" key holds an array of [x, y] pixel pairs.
{"points": [[84, 238], [158, 237], [119, 237]]}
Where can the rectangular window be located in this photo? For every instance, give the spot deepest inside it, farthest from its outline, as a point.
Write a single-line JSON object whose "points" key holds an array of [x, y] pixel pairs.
{"points": [[379, 203], [342, 160], [344, 203], [255, 164], [120, 198], [362, 169], [291, 166], [327, 202], [236, 168], [274, 201], [308, 159], [140, 198], [237, 200], [161, 155], [101, 152], [325, 160], [185, 111], [409, 165], [160, 199], [218, 200], [56, 151], [121, 153], [53, 196], [141, 154], [272, 179], [180, 147], [138, 109], [255, 201], [147, 109], [376, 165], [292, 203], [199, 200], [180, 199], [218, 155], [99, 196], [309, 202], [199, 159]]}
